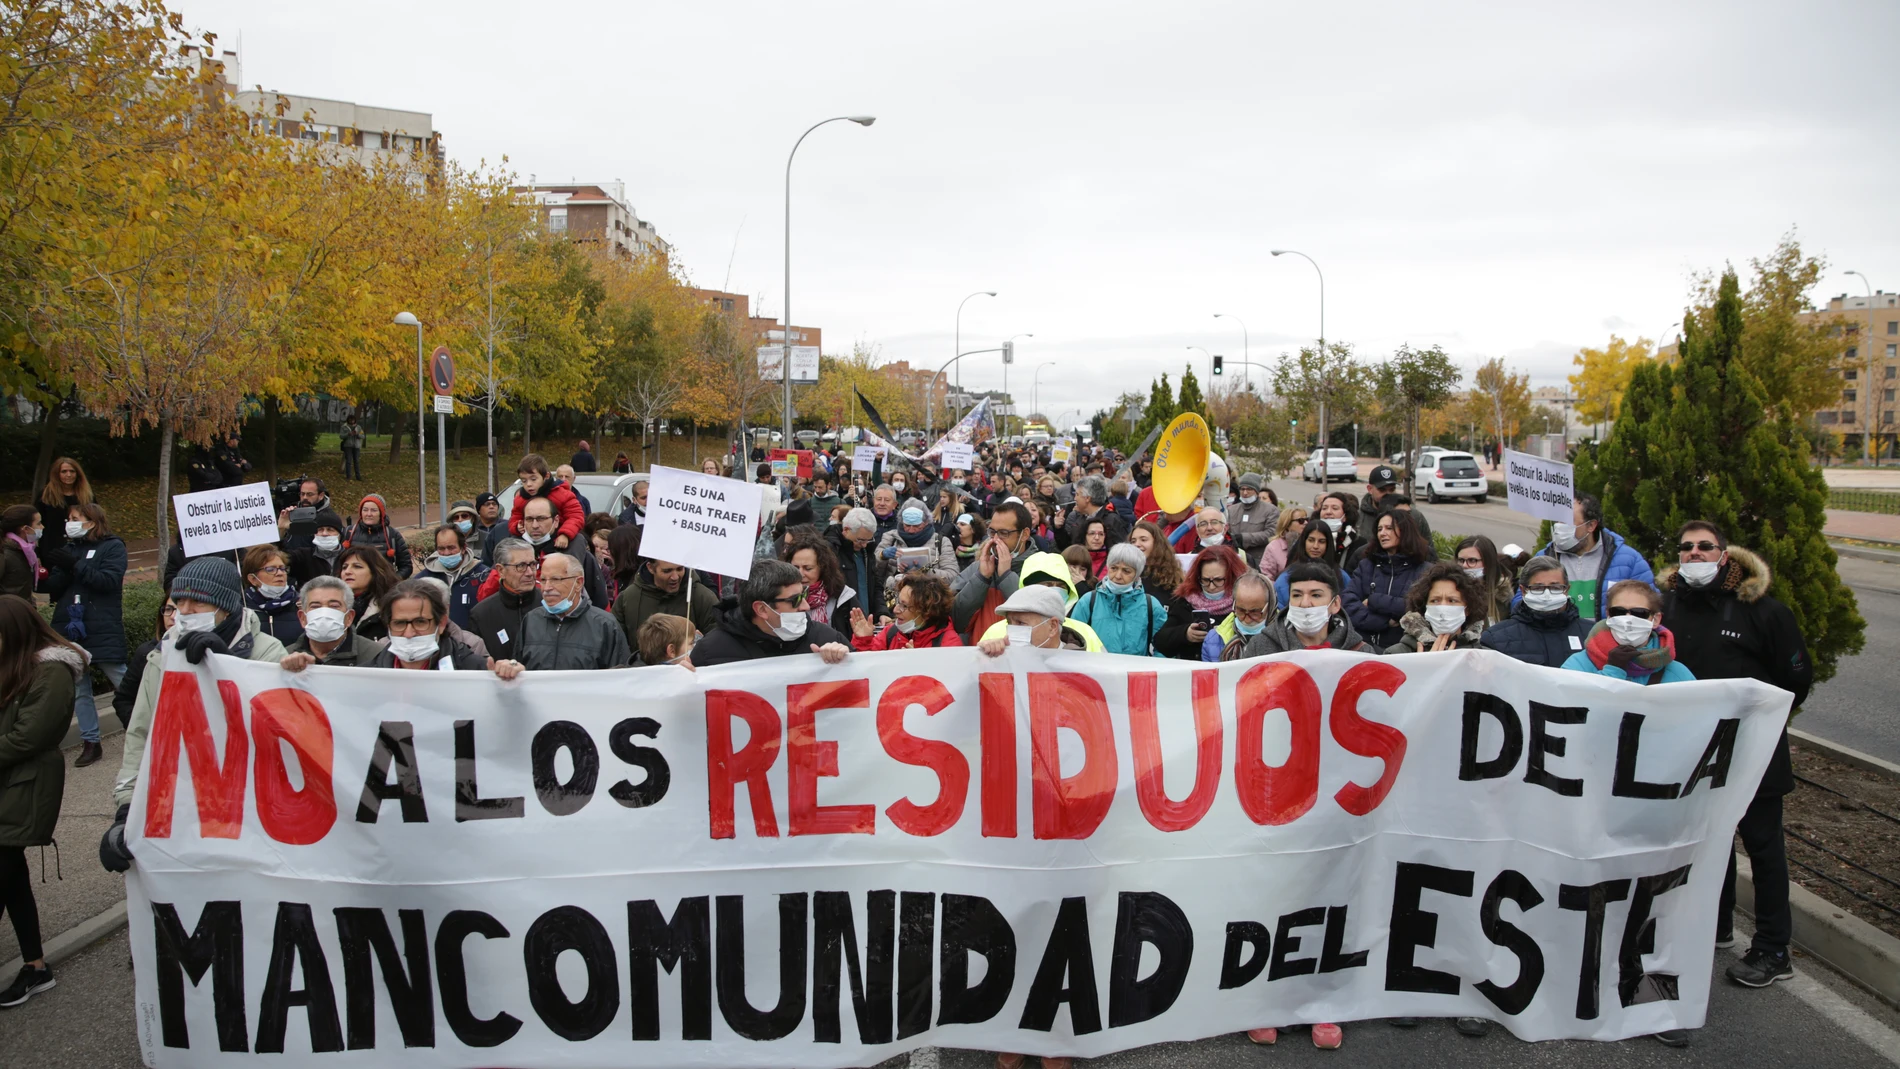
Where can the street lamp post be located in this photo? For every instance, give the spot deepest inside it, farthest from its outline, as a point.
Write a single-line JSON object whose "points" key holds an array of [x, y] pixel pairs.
{"points": [[1327, 386], [956, 344], [1210, 363], [785, 349], [408, 319], [930, 391], [1869, 430], [1245, 353]]}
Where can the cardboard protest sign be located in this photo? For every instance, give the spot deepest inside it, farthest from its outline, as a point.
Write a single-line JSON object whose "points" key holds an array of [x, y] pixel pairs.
{"points": [[703, 521], [957, 455]]}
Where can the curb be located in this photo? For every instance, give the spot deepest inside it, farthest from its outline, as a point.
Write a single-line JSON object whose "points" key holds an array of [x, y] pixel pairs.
{"points": [[1867, 956], [1846, 755], [75, 939], [103, 702], [1885, 556]]}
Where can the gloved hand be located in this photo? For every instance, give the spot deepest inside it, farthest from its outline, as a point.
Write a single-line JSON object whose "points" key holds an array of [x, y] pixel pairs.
{"points": [[114, 854], [1622, 656], [198, 643]]}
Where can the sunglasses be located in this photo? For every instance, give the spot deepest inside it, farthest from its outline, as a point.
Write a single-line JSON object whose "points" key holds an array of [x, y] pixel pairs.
{"points": [[1640, 614], [1705, 546]]}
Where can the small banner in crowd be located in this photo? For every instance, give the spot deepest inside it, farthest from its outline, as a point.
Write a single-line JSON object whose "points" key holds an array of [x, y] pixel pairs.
{"points": [[1538, 487], [230, 517], [787, 864], [708, 522]]}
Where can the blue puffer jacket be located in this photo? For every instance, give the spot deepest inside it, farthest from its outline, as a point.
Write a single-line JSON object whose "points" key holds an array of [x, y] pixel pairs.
{"points": [[1126, 623], [1538, 638], [1375, 599], [1624, 563], [92, 579]]}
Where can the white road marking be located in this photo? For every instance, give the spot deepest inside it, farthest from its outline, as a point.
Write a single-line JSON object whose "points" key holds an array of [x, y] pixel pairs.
{"points": [[1853, 1020]]}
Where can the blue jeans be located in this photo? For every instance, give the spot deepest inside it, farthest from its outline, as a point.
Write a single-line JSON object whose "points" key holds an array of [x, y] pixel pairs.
{"points": [[83, 707]]}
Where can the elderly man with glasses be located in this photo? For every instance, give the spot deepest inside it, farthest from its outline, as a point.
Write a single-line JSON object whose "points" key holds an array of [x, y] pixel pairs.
{"points": [[566, 633]]}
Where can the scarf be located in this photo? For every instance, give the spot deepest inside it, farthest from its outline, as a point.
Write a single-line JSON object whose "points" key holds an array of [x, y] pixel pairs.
{"points": [[918, 540], [262, 605], [1222, 604], [965, 553], [1654, 658], [818, 602], [32, 557], [1098, 562]]}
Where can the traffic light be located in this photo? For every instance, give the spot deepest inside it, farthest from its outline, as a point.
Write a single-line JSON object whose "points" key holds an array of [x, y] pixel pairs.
{"points": [[1217, 363], [1009, 352]]}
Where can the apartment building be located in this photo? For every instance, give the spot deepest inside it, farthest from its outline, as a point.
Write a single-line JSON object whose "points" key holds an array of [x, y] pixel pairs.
{"points": [[762, 329], [1869, 330], [595, 212], [346, 130]]}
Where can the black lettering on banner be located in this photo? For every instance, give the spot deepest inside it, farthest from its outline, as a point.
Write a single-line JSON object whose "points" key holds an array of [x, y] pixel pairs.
{"points": [[659, 776], [216, 945], [835, 946], [729, 968], [294, 946], [1713, 765], [654, 943], [1286, 944], [451, 978], [1591, 901], [395, 747], [1414, 926], [1243, 936], [1543, 743], [1066, 974], [916, 949], [552, 934], [1333, 955], [1145, 917], [973, 925], [1511, 884], [1629, 741], [1477, 706], [361, 932], [1633, 985], [556, 797], [469, 803]]}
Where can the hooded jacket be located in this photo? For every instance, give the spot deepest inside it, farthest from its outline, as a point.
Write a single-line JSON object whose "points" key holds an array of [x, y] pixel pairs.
{"points": [[88, 586], [1734, 629], [1126, 622], [1538, 638], [940, 557], [644, 599], [736, 638], [1279, 637], [32, 771], [1620, 562], [381, 537], [974, 611]]}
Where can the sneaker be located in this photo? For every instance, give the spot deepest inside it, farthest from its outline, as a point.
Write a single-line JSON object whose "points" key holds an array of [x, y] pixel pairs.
{"points": [[1672, 1037], [1266, 1037], [1472, 1026], [1725, 939], [30, 982], [89, 753], [1328, 1036], [1759, 968]]}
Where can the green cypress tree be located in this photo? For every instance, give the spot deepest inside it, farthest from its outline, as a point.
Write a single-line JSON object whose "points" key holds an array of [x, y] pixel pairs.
{"points": [[1692, 442], [1160, 411], [1190, 399]]}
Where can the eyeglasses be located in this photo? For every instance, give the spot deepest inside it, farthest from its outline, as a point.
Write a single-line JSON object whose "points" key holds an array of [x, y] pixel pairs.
{"points": [[1470, 562], [546, 579], [1252, 616], [273, 569], [1213, 586], [524, 566], [1705, 546], [1618, 610], [1001, 533], [1548, 589], [410, 628], [794, 601]]}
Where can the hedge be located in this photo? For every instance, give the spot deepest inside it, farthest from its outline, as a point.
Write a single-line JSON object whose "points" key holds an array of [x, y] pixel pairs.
{"points": [[89, 440]]}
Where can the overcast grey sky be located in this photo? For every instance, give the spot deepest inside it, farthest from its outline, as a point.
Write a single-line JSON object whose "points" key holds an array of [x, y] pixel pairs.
{"points": [[1502, 179]]}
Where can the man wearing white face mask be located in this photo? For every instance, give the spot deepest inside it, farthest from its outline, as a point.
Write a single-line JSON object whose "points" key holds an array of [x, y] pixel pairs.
{"points": [[1032, 617], [418, 615], [1314, 619], [1593, 557], [1727, 626], [326, 608], [768, 619]]}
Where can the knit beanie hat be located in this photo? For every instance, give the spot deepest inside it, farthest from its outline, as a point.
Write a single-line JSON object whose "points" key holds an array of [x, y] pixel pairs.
{"points": [[212, 580], [329, 518]]}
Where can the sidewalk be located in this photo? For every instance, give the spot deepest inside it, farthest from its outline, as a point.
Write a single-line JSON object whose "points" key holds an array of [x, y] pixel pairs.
{"points": [[1866, 526], [76, 887]]}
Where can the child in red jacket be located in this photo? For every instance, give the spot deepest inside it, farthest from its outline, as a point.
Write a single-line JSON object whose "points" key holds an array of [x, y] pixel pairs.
{"points": [[536, 482]]}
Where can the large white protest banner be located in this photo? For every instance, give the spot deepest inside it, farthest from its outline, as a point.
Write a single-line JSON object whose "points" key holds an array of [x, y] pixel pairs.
{"points": [[702, 521], [1538, 487], [784, 864], [230, 517]]}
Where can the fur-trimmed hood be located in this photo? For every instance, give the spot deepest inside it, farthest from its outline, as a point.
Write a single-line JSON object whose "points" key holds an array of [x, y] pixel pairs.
{"points": [[1747, 576], [74, 660]]}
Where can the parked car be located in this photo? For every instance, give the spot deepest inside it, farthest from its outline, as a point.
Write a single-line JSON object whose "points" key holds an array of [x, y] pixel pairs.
{"points": [[1446, 474], [605, 491], [806, 439], [1338, 463]]}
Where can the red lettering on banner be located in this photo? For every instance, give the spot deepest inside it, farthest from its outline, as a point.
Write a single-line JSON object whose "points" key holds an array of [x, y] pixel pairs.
{"points": [[1367, 738], [725, 770], [948, 762], [1069, 807], [1150, 786], [807, 758], [998, 727], [179, 723], [288, 814], [1270, 795]]}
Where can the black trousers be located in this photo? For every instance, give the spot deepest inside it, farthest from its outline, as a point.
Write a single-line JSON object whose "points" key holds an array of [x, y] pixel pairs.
{"points": [[1760, 830], [16, 900]]}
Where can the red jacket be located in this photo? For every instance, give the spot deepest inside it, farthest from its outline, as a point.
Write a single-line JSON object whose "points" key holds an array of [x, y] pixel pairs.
{"points": [[567, 508], [890, 638]]}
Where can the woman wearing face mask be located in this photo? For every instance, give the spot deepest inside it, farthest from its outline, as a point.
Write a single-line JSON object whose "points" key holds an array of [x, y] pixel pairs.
{"points": [[1340, 511], [369, 577], [1081, 569], [1543, 627], [373, 530], [268, 593], [1477, 556], [20, 570], [1123, 615], [1286, 534], [1311, 543], [827, 596], [460, 569], [86, 590], [1375, 598], [1201, 603], [1630, 641], [1439, 613], [920, 618], [972, 532]]}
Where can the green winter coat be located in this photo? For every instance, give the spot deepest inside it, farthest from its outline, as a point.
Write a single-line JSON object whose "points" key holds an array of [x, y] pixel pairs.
{"points": [[32, 771]]}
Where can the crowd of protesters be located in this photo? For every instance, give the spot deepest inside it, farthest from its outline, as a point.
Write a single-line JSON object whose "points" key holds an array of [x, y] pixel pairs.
{"points": [[1020, 550]]}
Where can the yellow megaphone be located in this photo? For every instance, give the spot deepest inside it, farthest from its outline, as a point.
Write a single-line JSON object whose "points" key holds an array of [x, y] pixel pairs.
{"points": [[1180, 463]]}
